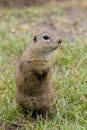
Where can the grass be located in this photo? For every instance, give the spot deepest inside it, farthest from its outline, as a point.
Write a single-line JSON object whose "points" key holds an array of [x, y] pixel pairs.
{"points": [[70, 76]]}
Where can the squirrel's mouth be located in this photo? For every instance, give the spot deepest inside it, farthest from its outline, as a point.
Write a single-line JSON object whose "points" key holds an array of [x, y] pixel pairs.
{"points": [[55, 47]]}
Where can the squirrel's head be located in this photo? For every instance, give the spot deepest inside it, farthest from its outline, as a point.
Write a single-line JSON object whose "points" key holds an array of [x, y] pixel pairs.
{"points": [[47, 42]]}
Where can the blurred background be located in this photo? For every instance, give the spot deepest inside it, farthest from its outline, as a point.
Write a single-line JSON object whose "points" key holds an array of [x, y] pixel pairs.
{"points": [[68, 17]]}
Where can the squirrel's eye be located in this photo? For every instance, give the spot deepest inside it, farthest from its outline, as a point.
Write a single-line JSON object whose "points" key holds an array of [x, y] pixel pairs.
{"points": [[46, 37]]}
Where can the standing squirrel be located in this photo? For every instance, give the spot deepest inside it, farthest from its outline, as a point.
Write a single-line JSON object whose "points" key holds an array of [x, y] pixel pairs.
{"points": [[33, 72]]}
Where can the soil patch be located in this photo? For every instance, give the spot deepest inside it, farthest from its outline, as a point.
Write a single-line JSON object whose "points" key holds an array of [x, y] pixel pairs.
{"points": [[20, 3]]}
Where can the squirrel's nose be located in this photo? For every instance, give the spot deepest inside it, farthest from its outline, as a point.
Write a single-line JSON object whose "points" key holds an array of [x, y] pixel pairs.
{"points": [[59, 41]]}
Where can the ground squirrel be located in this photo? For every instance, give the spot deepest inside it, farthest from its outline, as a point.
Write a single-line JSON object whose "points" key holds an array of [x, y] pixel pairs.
{"points": [[33, 72]]}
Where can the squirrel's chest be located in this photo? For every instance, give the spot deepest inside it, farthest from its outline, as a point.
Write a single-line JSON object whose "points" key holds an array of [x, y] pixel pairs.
{"points": [[35, 82], [40, 76], [35, 75]]}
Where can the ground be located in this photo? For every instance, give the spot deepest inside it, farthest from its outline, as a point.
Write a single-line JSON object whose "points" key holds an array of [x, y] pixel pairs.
{"points": [[21, 3], [17, 27]]}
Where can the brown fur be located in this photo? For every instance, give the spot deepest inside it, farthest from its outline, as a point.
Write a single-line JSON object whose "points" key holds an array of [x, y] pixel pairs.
{"points": [[33, 72]]}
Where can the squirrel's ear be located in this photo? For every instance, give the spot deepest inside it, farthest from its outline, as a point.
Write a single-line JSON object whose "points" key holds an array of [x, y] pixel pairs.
{"points": [[35, 38]]}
